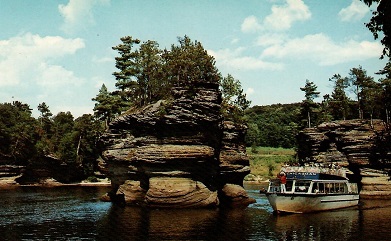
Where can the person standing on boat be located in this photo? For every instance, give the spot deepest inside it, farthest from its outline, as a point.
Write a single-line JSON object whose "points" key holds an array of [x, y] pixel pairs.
{"points": [[282, 177]]}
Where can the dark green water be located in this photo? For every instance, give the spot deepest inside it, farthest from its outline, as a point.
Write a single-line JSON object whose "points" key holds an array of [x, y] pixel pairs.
{"points": [[75, 213]]}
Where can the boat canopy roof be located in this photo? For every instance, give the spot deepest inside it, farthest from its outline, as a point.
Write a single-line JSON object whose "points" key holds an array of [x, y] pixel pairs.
{"points": [[314, 172]]}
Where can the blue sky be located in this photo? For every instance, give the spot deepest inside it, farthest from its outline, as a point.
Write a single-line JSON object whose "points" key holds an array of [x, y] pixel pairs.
{"points": [[59, 52]]}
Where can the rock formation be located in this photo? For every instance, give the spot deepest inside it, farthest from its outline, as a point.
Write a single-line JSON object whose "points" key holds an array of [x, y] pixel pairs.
{"points": [[360, 145], [177, 153]]}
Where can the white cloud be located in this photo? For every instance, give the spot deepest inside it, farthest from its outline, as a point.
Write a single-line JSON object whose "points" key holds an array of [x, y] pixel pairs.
{"points": [[237, 60], [56, 76], [323, 50], [249, 91], [78, 13], [251, 25], [281, 18], [271, 39], [26, 59], [354, 12]]}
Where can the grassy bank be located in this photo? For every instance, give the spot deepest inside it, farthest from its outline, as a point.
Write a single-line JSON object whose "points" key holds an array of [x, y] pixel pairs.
{"points": [[265, 162]]}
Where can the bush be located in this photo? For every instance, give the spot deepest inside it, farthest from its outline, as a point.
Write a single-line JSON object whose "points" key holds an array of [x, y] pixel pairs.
{"points": [[92, 179]]}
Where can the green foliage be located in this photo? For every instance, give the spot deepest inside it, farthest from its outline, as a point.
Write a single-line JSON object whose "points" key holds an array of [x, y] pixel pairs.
{"points": [[339, 102], [147, 73], [17, 132], [267, 160], [277, 125], [308, 104], [92, 179], [107, 105], [273, 125], [380, 24], [189, 62], [234, 100], [363, 86], [25, 140]]}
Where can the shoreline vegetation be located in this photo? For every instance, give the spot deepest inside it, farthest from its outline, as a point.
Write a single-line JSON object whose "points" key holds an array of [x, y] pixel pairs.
{"points": [[265, 162]]}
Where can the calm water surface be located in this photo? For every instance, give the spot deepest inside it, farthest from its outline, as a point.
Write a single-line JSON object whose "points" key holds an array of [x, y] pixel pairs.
{"points": [[75, 213]]}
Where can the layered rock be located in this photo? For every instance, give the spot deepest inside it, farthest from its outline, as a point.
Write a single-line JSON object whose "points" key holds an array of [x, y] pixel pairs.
{"points": [[175, 153], [360, 145]]}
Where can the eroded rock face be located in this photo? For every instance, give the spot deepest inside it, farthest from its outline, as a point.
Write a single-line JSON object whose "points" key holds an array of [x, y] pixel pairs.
{"points": [[175, 153], [359, 145]]}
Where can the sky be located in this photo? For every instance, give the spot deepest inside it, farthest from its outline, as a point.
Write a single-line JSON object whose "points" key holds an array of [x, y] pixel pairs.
{"points": [[60, 52]]}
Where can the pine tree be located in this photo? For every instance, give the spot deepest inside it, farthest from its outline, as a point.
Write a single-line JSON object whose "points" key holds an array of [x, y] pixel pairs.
{"points": [[339, 102], [107, 106], [308, 105]]}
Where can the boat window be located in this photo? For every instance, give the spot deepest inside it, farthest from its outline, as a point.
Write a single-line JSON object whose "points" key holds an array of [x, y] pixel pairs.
{"points": [[315, 188], [330, 187], [302, 186], [341, 188], [274, 185], [353, 187], [321, 188], [288, 186]]}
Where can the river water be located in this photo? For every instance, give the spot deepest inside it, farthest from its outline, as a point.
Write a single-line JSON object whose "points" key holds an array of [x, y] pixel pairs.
{"points": [[76, 213]]}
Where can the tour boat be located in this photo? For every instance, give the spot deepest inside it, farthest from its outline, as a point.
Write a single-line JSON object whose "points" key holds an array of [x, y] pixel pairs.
{"points": [[312, 189]]}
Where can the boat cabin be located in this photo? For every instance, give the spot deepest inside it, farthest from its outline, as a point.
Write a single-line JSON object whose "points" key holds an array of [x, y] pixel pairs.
{"points": [[313, 186]]}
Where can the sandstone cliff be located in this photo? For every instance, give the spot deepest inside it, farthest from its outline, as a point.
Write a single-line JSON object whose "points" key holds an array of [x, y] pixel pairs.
{"points": [[177, 153], [362, 146]]}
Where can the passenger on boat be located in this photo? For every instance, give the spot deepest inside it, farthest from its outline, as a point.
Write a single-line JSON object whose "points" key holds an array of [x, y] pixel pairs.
{"points": [[282, 177]]}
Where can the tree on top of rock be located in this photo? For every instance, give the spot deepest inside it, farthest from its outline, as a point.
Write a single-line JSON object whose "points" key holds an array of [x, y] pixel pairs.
{"points": [[128, 70], [234, 99], [147, 73], [308, 105], [362, 85], [385, 92], [107, 106], [190, 63], [339, 102]]}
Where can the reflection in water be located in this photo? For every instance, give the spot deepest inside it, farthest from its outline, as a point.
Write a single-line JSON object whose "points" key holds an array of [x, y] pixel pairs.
{"points": [[194, 224], [335, 225], [72, 213]]}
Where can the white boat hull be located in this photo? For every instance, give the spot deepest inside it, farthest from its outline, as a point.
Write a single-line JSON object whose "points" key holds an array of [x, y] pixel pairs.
{"points": [[304, 203]]}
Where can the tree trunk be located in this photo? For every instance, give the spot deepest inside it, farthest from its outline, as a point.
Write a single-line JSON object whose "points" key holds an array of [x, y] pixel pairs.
{"points": [[78, 146]]}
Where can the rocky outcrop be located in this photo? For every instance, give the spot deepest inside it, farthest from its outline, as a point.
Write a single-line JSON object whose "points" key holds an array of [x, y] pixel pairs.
{"points": [[362, 146], [176, 153]]}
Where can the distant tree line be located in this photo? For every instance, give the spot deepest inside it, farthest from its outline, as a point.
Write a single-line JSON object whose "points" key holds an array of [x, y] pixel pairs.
{"points": [[27, 141], [356, 96]]}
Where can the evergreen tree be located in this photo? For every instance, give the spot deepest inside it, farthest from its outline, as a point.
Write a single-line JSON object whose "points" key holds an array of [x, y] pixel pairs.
{"points": [[339, 102], [87, 131], [385, 93], [152, 86], [360, 82], [107, 106], [308, 105], [17, 132], [188, 63], [128, 72]]}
